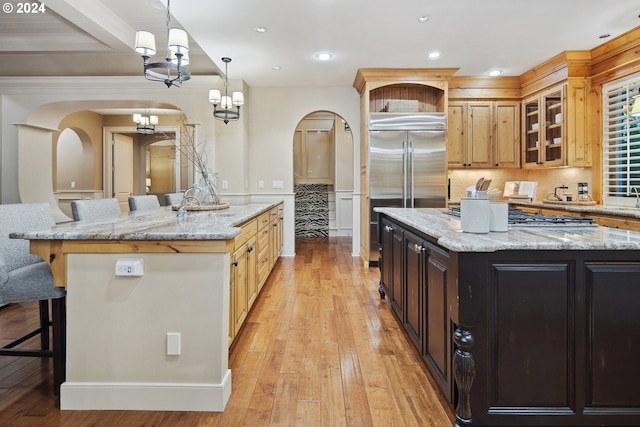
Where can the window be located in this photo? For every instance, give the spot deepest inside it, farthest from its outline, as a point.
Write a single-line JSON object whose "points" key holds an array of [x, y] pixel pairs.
{"points": [[620, 143]]}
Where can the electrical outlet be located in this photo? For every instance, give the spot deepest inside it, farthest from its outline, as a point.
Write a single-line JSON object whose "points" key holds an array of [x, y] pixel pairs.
{"points": [[260, 184], [277, 184], [130, 267]]}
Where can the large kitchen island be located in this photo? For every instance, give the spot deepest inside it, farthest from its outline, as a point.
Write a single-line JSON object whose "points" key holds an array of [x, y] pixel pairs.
{"points": [[537, 326], [153, 301]]}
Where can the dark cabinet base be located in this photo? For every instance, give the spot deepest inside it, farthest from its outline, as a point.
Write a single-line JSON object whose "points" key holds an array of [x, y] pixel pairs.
{"points": [[530, 338]]}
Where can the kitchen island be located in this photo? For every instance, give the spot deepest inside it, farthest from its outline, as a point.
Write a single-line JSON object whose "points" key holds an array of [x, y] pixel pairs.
{"points": [[156, 339], [535, 326]]}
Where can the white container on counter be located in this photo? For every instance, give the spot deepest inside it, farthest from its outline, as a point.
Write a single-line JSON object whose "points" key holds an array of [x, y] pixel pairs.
{"points": [[499, 216], [475, 215]]}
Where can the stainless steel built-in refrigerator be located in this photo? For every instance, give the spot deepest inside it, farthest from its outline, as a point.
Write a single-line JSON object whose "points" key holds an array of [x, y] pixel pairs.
{"points": [[407, 164]]}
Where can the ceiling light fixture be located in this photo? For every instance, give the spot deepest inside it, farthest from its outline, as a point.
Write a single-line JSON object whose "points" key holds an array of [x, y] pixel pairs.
{"points": [[226, 102], [146, 124], [494, 73], [261, 29], [434, 55], [423, 18], [173, 71], [324, 56]]}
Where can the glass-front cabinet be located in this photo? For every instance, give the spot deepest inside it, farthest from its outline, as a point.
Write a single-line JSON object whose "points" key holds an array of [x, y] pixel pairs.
{"points": [[543, 131]]}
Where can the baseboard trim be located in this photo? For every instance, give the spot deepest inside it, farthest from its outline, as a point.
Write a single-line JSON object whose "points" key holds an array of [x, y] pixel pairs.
{"points": [[208, 397]]}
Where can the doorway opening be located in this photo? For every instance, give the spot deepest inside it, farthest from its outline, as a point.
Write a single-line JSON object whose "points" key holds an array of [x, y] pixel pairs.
{"points": [[323, 176]]}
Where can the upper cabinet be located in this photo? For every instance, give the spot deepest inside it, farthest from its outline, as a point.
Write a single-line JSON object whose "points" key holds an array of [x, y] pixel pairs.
{"points": [[483, 134], [554, 128]]}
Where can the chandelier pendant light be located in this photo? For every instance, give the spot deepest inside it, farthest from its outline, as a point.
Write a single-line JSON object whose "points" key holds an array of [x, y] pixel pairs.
{"points": [[173, 71], [146, 124], [226, 102]]}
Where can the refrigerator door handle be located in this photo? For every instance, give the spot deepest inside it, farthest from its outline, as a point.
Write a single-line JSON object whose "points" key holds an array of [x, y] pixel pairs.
{"points": [[404, 173], [410, 174]]}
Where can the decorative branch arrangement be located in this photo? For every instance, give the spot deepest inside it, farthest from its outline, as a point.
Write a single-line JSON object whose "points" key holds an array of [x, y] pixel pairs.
{"points": [[203, 195]]}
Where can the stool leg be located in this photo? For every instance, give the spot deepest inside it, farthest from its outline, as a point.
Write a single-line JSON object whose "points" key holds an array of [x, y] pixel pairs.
{"points": [[59, 320], [44, 324]]}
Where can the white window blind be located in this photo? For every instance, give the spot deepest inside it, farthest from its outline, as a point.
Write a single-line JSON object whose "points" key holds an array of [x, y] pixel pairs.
{"points": [[621, 142]]}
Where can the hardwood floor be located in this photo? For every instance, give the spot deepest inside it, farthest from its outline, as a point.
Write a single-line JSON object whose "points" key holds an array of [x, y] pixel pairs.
{"points": [[319, 348]]}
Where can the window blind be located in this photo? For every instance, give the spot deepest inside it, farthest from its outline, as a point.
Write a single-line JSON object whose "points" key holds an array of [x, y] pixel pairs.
{"points": [[621, 142]]}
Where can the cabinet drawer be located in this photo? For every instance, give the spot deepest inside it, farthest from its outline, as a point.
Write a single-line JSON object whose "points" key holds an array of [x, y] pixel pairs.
{"points": [[248, 229], [263, 219]]}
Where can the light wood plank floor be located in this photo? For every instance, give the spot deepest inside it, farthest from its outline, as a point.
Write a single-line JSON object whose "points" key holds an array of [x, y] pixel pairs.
{"points": [[319, 348]]}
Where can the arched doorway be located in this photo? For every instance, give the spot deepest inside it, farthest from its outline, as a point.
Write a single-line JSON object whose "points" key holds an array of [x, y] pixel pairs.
{"points": [[323, 176]]}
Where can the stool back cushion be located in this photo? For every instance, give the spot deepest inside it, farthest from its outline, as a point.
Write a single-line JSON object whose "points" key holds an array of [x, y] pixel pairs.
{"points": [[14, 253]]}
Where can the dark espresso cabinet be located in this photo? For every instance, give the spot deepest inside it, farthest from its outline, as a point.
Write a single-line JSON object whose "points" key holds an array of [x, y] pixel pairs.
{"points": [[414, 276], [521, 337]]}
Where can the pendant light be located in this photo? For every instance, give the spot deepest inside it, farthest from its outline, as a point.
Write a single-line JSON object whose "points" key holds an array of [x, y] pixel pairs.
{"points": [[173, 71], [226, 102]]}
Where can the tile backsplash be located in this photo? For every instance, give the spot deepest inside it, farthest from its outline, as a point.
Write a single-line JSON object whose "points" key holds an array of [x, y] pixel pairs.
{"points": [[548, 179]]}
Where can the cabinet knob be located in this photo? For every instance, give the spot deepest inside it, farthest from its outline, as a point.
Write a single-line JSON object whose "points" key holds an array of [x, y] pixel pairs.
{"points": [[250, 248], [418, 248], [235, 263], [388, 228]]}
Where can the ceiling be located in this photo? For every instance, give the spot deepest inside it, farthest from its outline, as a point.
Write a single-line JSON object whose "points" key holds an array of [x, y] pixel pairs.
{"points": [[93, 37]]}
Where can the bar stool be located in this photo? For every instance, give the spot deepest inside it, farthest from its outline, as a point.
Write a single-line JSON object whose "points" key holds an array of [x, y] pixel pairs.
{"points": [[26, 277]]}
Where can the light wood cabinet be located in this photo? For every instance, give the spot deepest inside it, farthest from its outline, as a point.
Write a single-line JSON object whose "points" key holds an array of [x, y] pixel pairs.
{"points": [[483, 134], [555, 127], [256, 250]]}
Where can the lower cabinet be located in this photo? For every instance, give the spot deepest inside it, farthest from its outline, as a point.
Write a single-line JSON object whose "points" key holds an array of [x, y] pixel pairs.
{"points": [[414, 276], [256, 250]]}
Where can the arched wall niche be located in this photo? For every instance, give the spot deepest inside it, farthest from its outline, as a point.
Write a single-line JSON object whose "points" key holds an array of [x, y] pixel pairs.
{"points": [[73, 156]]}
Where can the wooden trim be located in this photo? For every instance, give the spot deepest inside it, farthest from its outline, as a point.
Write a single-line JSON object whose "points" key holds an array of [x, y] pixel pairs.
{"points": [[377, 77], [54, 252], [503, 88]]}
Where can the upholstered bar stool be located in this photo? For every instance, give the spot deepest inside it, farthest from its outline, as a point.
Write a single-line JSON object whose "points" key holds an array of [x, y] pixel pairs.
{"points": [[144, 203], [171, 199], [25, 277], [94, 209]]}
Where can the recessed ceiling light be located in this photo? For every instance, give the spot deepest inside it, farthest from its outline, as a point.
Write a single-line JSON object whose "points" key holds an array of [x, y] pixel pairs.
{"points": [[261, 29], [423, 18], [434, 55], [276, 68], [494, 73], [324, 56]]}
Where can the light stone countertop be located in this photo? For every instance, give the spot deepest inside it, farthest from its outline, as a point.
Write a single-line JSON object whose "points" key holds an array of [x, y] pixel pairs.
{"points": [[447, 231], [162, 224]]}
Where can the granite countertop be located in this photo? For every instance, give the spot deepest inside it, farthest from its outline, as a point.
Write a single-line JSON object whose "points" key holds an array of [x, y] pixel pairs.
{"points": [[447, 231], [162, 224]]}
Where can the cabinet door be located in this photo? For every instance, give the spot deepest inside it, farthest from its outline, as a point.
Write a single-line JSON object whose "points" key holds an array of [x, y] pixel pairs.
{"points": [[437, 332], [479, 126], [457, 135], [252, 271], [506, 134], [396, 287], [239, 273], [414, 255], [577, 143], [386, 255], [552, 127], [531, 152]]}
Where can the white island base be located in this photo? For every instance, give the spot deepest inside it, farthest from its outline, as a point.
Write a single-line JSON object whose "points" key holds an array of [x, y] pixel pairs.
{"points": [[117, 333]]}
